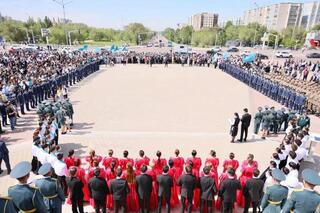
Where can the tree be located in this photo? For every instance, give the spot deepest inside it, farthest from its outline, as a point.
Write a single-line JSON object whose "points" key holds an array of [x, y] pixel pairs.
{"points": [[185, 34], [47, 22], [137, 33], [169, 33]]}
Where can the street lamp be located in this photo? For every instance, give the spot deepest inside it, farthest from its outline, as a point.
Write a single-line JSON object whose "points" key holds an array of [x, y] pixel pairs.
{"points": [[256, 28], [63, 4]]}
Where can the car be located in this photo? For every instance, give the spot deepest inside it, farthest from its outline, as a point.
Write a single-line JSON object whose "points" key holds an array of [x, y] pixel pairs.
{"points": [[156, 45], [246, 53], [216, 49], [262, 56], [170, 44], [313, 55], [284, 54], [149, 45], [233, 50]]}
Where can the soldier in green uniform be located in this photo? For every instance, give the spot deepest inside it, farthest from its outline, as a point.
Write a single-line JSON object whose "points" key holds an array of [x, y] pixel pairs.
{"points": [[25, 198], [265, 122], [276, 195], [6, 205], [305, 200], [50, 189], [257, 120]]}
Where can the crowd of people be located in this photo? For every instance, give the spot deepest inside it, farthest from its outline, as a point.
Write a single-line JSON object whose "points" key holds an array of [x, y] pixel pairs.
{"points": [[288, 84], [145, 184], [27, 78]]}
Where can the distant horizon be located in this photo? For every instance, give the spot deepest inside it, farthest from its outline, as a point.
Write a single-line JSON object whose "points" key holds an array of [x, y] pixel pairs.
{"points": [[156, 15]]}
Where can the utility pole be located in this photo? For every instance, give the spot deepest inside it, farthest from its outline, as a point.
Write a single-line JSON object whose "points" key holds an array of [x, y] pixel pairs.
{"points": [[256, 28], [63, 4]]}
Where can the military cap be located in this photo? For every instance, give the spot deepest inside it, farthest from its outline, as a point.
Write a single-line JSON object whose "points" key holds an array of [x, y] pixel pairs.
{"points": [[45, 169], [311, 176], [20, 170], [278, 175]]}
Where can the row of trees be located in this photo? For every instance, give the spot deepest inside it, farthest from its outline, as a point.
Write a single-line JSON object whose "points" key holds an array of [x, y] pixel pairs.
{"points": [[247, 35], [18, 31]]}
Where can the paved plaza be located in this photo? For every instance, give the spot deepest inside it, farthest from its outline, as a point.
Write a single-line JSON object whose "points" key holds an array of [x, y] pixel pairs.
{"points": [[137, 107]]}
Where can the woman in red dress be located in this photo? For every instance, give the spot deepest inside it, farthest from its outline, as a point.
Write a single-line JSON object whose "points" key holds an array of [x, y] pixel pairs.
{"points": [[159, 163], [214, 161], [196, 164], [106, 162], [92, 156], [132, 197], [230, 162], [142, 160], [125, 160], [154, 193], [71, 160], [110, 175], [174, 200], [178, 162], [247, 168]]}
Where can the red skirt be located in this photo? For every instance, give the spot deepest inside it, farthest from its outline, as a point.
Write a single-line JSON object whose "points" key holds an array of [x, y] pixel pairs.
{"points": [[154, 197], [196, 199], [174, 201], [132, 199], [109, 199]]}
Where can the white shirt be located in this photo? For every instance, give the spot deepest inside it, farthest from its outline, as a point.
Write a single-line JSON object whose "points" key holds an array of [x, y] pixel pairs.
{"points": [[301, 153], [293, 173], [42, 156], [60, 168], [291, 160], [52, 158], [35, 150]]}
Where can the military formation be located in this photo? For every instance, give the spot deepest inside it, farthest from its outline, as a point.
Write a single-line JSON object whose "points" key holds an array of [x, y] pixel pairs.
{"points": [[278, 92]]}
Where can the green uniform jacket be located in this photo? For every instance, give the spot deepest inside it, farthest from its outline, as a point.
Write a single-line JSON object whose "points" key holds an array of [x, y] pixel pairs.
{"points": [[305, 201]]}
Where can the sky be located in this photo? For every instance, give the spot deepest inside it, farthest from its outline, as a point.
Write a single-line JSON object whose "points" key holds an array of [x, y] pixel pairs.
{"points": [[156, 15]]}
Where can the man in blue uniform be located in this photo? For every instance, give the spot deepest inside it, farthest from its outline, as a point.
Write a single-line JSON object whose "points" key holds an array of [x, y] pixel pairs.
{"points": [[50, 189], [6, 205], [276, 195], [305, 200], [32, 200]]}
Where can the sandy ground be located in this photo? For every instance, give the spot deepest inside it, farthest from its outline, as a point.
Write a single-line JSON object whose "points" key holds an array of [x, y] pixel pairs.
{"points": [[136, 107]]}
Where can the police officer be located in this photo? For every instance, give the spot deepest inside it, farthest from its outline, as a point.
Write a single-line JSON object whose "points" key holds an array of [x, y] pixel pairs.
{"points": [[25, 198], [50, 189], [6, 205], [276, 195], [257, 120], [305, 200]]}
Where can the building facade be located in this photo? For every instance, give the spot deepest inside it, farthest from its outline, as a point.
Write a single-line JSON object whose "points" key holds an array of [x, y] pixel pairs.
{"points": [[310, 15], [203, 21], [277, 16]]}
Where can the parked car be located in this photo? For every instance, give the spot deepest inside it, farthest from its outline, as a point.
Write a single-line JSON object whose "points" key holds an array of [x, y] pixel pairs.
{"points": [[216, 49], [262, 56], [149, 45], [313, 55], [246, 53], [233, 50], [284, 54]]}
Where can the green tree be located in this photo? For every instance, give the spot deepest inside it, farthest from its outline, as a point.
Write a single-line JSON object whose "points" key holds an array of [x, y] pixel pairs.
{"points": [[47, 22], [169, 33], [185, 34]]}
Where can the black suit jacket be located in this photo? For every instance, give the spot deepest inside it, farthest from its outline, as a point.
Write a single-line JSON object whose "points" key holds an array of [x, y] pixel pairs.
{"points": [[188, 184], [254, 189], [246, 119], [228, 190], [75, 188], [98, 188], [144, 186], [119, 189], [207, 188], [3, 149], [165, 182]]}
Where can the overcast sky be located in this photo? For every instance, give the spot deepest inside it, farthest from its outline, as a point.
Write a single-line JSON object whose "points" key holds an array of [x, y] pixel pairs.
{"points": [[156, 15]]}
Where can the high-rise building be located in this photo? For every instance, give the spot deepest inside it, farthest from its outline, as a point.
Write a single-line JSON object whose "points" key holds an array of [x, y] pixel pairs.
{"points": [[276, 16], [310, 15], [203, 21]]}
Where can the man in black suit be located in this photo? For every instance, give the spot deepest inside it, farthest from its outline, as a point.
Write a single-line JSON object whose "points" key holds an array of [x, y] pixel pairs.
{"points": [[253, 192], [245, 123], [75, 189], [98, 189], [187, 182], [207, 190], [228, 191], [165, 183], [119, 189], [144, 189], [4, 155]]}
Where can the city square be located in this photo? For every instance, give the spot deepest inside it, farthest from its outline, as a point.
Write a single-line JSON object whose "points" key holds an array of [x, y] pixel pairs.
{"points": [[210, 108]]}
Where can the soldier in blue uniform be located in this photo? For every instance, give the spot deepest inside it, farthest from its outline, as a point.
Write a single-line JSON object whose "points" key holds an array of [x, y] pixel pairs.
{"points": [[276, 195], [6, 205], [257, 120], [305, 200], [25, 198], [50, 189]]}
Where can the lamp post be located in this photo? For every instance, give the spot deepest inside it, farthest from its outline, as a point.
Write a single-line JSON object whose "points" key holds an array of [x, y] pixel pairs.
{"points": [[256, 28], [62, 3]]}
